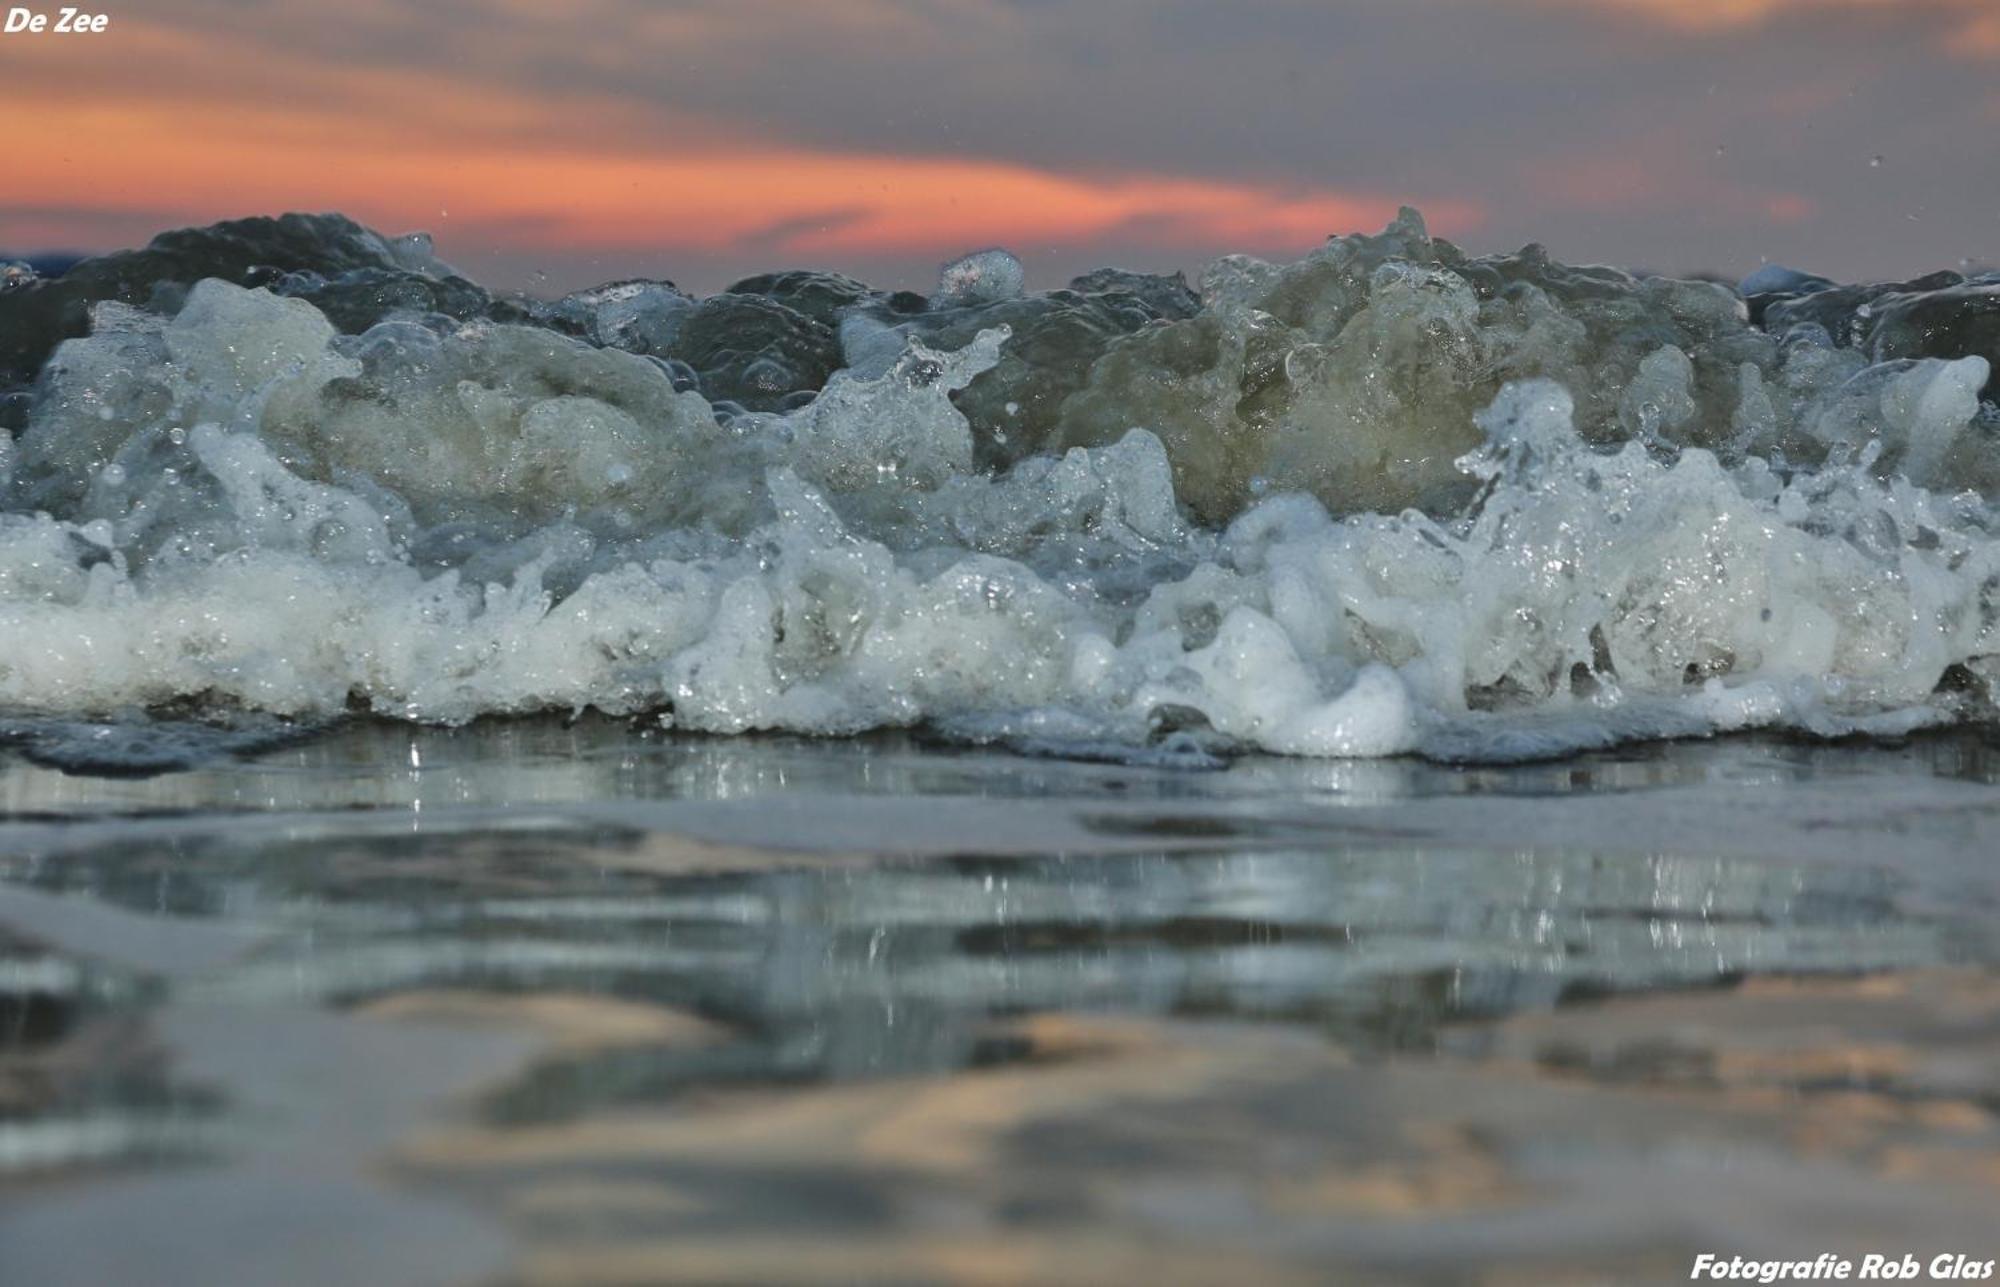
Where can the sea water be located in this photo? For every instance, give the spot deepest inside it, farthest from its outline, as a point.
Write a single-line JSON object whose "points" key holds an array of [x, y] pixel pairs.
{"points": [[1389, 498]]}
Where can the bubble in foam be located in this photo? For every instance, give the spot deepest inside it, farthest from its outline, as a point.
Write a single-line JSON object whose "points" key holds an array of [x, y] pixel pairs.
{"points": [[982, 278], [637, 316]]}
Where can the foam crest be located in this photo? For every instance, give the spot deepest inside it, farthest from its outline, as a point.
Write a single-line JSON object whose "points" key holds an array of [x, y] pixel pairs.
{"points": [[1388, 499]]}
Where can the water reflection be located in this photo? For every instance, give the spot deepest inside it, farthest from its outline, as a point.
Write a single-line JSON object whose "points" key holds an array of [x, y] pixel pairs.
{"points": [[206, 965], [836, 971], [368, 764]]}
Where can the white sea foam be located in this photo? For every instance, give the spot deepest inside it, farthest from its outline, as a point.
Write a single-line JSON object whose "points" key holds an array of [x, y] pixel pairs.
{"points": [[238, 505]]}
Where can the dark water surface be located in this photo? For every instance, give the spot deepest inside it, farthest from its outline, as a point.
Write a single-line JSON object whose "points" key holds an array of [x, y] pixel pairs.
{"points": [[546, 1002]]}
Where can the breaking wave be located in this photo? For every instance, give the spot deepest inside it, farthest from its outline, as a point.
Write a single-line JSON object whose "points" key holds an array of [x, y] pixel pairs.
{"points": [[1389, 498]]}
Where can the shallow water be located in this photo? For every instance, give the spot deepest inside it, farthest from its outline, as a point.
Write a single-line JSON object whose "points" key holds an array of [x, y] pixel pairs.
{"points": [[547, 1001]]}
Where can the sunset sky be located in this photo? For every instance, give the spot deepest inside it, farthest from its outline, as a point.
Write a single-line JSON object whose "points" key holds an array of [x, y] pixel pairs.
{"points": [[550, 145]]}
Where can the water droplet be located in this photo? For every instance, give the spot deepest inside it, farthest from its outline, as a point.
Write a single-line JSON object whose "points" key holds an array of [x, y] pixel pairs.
{"points": [[1875, 162]]}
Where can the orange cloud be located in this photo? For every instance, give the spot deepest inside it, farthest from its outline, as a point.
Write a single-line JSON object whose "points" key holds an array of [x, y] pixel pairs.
{"points": [[486, 169], [1974, 28], [700, 201], [1980, 35], [1723, 15]]}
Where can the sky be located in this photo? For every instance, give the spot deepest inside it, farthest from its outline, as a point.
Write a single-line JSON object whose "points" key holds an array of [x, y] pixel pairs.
{"points": [[551, 145]]}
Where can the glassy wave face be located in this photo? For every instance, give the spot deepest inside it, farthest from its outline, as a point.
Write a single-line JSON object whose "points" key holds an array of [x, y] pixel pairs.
{"points": [[1391, 498]]}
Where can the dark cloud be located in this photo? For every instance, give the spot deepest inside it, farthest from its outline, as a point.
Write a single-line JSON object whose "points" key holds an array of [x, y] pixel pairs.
{"points": [[779, 235]]}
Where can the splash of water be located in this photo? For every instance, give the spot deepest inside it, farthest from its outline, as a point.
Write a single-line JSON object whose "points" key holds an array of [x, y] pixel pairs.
{"points": [[1390, 498]]}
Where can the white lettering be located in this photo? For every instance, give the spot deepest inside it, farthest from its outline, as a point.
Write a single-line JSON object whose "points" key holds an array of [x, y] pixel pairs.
{"points": [[69, 21], [73, 22]]}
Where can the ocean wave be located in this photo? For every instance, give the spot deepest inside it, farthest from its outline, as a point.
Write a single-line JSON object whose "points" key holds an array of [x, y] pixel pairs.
{"points": [[1388, 499]]}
